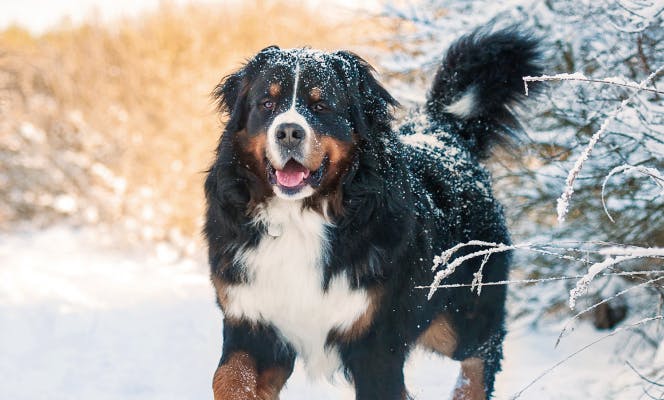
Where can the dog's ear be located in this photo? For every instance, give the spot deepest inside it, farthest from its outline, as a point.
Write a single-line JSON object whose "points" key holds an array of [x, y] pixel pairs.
{"points": [[230, 94], [227, 91], [371, 103]]}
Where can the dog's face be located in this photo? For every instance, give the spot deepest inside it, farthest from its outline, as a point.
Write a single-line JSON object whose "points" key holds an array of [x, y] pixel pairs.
{"points": [[297, 117]]}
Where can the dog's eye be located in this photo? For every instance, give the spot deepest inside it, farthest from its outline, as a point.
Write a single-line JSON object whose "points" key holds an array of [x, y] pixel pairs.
{"points": [[268, 104], [319, 107]]}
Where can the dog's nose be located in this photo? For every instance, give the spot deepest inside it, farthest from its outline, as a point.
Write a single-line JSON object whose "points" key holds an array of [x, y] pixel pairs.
{"points": [[290, 135]]}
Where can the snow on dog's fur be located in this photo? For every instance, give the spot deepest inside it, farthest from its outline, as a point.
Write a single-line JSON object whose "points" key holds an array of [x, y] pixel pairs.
{"points": [[322, 219]]}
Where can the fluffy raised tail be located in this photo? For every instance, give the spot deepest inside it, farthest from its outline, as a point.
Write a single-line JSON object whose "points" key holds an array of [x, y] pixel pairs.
{"points": [[479, 82]]}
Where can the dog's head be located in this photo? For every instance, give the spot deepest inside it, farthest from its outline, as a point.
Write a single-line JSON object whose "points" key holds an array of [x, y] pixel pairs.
{"points": [[297, 118]]}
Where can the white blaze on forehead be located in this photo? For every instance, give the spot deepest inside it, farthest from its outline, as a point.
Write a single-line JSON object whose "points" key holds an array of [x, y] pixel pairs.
{"points": [[296, 84], [290, 116]]}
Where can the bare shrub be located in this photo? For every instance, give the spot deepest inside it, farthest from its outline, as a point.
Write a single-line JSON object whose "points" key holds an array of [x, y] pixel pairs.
{"points": [[113, 124]]}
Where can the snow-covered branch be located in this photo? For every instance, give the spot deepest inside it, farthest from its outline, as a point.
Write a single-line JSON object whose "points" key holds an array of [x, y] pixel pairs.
{"points": [[653, 173], [563, 200], [578, 76], [613, 256], [541, 280]]}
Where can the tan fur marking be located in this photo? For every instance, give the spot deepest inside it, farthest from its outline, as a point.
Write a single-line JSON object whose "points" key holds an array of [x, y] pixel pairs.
{"points": [[270, 383], [251, 151], [340, 154], [315, 94], [275, 89], [238, 379], [360, 326], [256, 146], [440, 336], [336, 151], [253, 146], [470, 385], [221, 288]]}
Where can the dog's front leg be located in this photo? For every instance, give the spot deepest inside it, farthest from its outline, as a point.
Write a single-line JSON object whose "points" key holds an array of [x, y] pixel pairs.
{"points": [[253, 366], [376, 368]]}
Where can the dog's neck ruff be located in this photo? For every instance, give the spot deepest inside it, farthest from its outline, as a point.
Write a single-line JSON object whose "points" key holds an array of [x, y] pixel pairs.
{"points": [[285, 285]]}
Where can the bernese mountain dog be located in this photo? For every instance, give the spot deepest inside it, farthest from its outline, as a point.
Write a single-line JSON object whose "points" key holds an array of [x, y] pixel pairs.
{"points": [[323, 216]]}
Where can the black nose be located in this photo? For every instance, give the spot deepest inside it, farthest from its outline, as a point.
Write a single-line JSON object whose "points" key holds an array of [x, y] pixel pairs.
{"points": [[290, 135]]}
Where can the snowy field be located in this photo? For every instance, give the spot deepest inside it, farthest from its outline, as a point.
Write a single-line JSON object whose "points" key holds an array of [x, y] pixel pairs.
{"points": [[82, 318]]}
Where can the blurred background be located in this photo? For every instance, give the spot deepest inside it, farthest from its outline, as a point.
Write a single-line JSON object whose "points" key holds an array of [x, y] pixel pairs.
{"points": [[107, 127], [108, 110]]}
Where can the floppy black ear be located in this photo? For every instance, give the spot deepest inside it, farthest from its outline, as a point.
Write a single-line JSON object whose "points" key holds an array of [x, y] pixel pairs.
{"points": [[227, 91], [370, 102], [230, 94]]}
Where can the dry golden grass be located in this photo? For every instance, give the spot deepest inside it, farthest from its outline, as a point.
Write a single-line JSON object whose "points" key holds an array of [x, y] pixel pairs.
{"points": [[113, 122]]}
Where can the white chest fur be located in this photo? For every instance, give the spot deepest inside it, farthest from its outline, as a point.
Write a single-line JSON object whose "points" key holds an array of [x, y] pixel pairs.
{"points": [[285, 285]]}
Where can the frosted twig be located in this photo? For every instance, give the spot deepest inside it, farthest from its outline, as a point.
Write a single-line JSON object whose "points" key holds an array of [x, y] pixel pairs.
{"points": [[617, 254], [563, 201], [540, 280], [495, 248], [635, 251], [445, 256], [477, 277], [577, 76], [657, 176], [451, 267], [606, 300], [642, 376], [583, 284], [556, 365]]}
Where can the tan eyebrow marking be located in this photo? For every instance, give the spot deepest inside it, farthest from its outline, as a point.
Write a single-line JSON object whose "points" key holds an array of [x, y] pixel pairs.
{"points": [[275, 89], [315, 94]]}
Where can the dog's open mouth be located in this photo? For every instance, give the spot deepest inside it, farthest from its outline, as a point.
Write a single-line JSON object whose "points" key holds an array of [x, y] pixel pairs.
{"points": [[294, 176]]}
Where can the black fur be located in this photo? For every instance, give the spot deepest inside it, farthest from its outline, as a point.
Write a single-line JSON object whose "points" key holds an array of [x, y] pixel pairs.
{"points": [[402, 206], [492, 64]]}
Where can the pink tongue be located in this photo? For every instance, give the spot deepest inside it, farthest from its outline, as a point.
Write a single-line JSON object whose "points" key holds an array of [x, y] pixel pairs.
{"points": [[292, 175]]}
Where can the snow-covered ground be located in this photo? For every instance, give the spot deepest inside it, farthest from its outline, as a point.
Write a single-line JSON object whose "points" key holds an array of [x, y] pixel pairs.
{"points": [[83, 318]]}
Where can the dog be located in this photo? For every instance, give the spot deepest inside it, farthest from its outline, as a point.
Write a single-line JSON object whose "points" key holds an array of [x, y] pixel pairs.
{"points": [[323, 216]]}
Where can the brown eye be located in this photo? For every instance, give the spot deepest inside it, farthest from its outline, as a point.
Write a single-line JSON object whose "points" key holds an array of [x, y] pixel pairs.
{"points": [[319, 107], [268, 104]]}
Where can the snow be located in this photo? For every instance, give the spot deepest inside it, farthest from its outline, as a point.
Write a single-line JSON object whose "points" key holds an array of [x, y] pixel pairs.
{"points": [[421, 140], [82, 316], [582, 285], [578, 76], [557, 77], [564, 199]]}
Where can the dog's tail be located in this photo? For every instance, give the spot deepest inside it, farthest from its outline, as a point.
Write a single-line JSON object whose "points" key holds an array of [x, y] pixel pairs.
{"points": [[480, 81]]}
